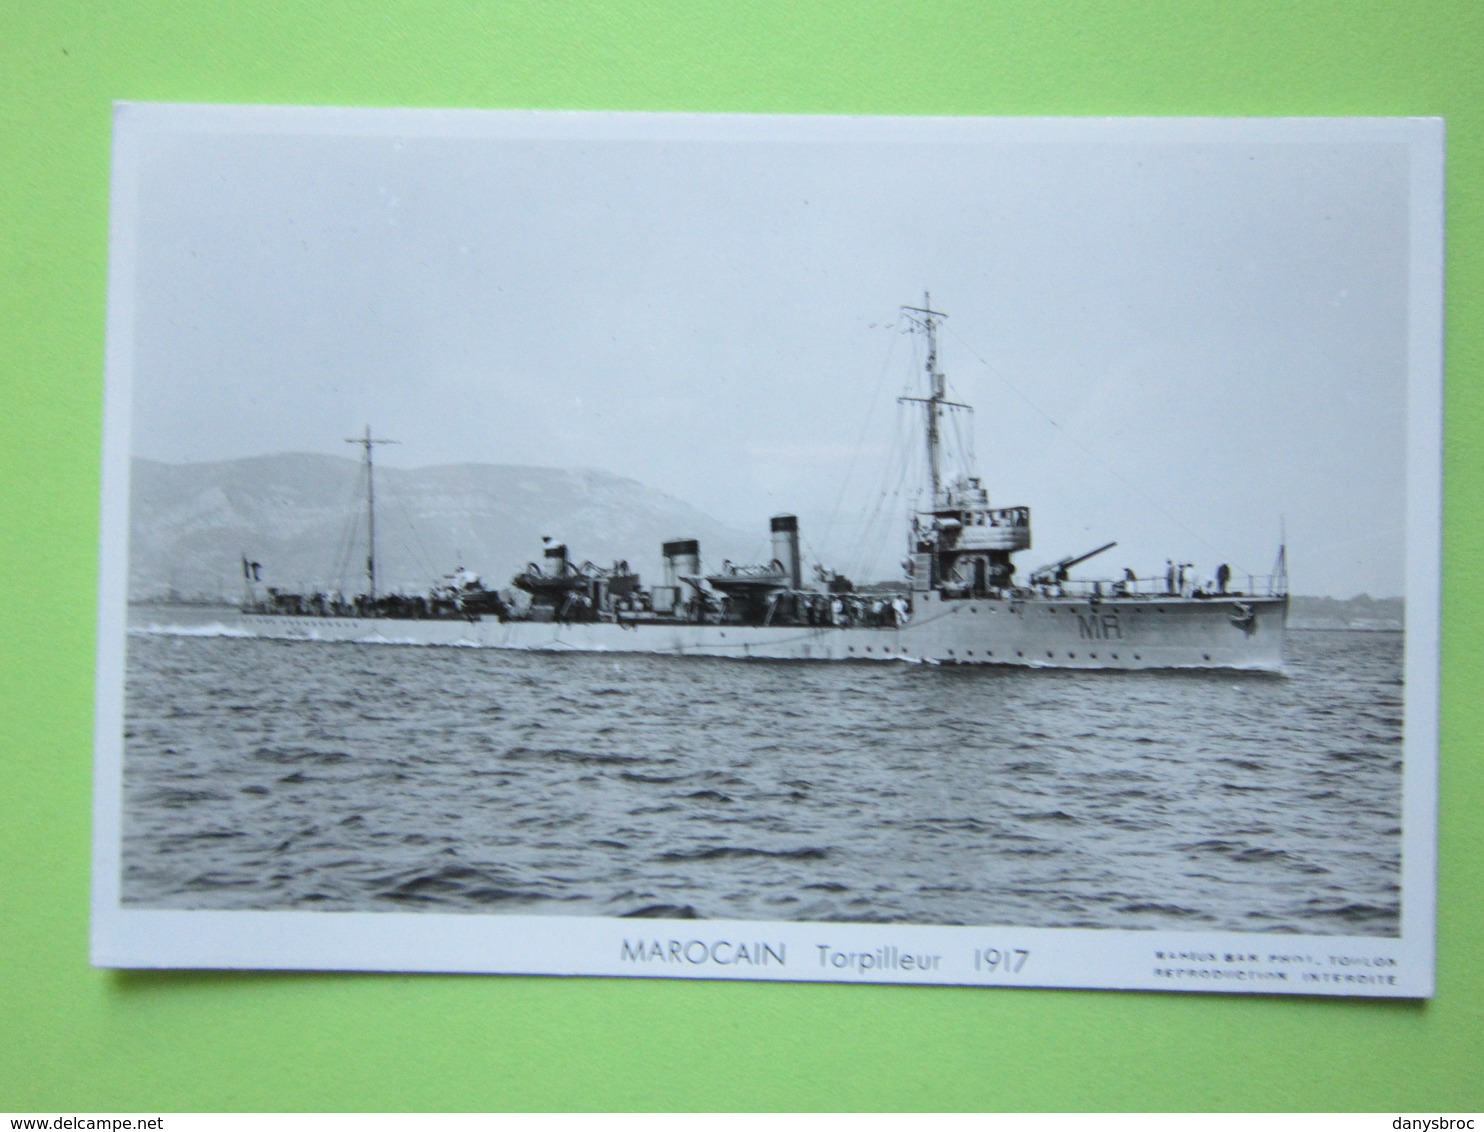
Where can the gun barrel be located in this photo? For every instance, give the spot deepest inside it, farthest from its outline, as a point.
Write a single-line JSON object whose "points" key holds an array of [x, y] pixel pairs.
{"points": [[1079, 559]]}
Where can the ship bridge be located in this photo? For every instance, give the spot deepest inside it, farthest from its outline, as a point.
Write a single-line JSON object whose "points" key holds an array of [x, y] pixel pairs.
{"points": [[965, 521], [963, 545]]}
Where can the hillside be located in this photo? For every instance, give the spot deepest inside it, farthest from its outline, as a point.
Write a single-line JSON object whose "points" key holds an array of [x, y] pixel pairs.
{"points": [[303, 518]]}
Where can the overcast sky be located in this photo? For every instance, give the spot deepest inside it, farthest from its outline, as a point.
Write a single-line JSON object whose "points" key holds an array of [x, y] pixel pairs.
{"points": [[1177, 338]]}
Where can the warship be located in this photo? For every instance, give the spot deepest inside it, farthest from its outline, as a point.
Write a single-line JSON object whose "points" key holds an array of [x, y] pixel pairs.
{"points": [[960, 600]]}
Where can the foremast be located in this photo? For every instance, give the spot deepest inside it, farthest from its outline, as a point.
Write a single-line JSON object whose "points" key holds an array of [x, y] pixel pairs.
{"points": [[925, 320], [961, 546]]}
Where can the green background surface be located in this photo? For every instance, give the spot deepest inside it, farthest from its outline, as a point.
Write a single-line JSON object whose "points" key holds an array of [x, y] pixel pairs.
{"points": [[76, 1039]]}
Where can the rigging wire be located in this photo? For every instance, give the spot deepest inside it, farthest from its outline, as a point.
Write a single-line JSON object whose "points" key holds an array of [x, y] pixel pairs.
{"points": [[873, 536], [961, 447], [875, 498], [1092, 456], [422, 560], [350, 532], [886, 498], [834, 513], [353, 537]]}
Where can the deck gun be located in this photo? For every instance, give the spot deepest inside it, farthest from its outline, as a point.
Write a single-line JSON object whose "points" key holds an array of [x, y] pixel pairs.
{"points": [[1057, 571]]}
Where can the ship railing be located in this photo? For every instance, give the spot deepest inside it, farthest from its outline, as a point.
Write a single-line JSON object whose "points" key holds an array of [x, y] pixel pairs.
{"points": [[1159, 586]]}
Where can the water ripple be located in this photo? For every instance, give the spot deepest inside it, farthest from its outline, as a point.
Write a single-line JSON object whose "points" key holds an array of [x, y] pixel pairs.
{"points": [[265, 775]]}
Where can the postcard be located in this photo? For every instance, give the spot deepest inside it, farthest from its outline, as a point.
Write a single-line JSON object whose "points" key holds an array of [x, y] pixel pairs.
{"points": [[974, 551]]}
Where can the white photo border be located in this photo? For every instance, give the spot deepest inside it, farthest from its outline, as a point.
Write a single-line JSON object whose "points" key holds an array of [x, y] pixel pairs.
{"points": [[1224, 962]]}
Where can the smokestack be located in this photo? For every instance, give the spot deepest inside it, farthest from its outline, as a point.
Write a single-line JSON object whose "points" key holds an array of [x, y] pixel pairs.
{"points": [[682, 557], [786, 548]]}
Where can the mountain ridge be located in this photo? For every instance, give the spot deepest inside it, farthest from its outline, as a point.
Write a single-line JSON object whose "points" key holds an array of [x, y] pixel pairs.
{"points": [[302, 517]]}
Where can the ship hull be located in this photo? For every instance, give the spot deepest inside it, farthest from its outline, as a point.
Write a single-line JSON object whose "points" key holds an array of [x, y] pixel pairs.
{"points": [[1133, 634]]}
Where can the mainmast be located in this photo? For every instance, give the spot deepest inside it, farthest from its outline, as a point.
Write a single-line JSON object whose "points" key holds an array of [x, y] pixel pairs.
{"points": [[925, 319], [366, 442]]}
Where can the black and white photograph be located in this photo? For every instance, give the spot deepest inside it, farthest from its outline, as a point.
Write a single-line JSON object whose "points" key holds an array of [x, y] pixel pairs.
{"points": [[968, 551]]}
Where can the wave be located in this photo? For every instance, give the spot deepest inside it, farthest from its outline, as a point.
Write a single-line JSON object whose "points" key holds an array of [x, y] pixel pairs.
{"points": [[566, 755], [208, 629], [725, 852], [457, 882]]}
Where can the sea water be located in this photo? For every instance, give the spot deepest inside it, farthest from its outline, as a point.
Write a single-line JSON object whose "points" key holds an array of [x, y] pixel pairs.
{"points": [[302, 775]]}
